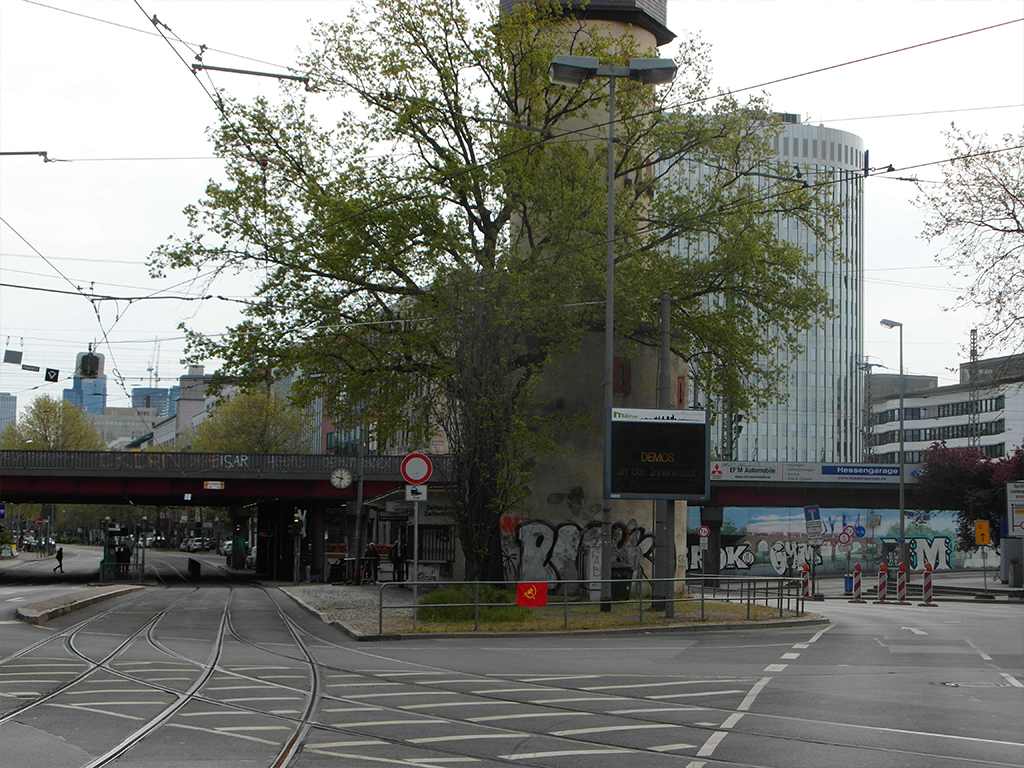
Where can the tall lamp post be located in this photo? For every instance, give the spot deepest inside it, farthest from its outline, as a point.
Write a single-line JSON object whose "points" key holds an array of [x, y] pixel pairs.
{"points": [[904, 548], [574, 70]]}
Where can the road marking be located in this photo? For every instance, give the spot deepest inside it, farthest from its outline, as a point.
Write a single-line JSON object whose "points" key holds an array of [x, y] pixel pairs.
{"points": [[677, 708], [421, 721], [558, 677], [333, 744], [915, 630], [16, 599], [508, 690], [775, 667], [93, 709], [981, 653], [656, 685], [579, 698], [263, 698], [664, 696], [253, 728], [671, 747], [562, 753], [353, 709], [730, 722], [391, 761], [359, 685], [748, 700], [709, 746], [222, 733], [638, 727], [1012, 680], [790, 656], [531, 714], [471, 703], [473, 736], [358, 695]]}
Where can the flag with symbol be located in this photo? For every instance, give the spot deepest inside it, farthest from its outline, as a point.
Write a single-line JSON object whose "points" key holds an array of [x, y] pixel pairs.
{"points": [[532, 594]]}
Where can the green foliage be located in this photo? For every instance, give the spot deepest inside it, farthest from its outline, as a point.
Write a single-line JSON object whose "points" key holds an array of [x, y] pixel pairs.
{"points": [[52, 425], [465, 594], [260, 420], [979, 211], [441, 247]]}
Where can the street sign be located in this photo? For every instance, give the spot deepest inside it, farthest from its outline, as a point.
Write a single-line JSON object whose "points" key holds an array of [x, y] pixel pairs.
{"points": [[859, 532], [812, 519], [415, 493], [703, 531], [1015, 508], [40, 521], [3, 510], [416, 469], [982, 536]]}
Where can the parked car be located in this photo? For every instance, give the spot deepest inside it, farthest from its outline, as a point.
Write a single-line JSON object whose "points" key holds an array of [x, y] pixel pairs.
{"points": [[250, 558], [186, 545], [225, 547]]}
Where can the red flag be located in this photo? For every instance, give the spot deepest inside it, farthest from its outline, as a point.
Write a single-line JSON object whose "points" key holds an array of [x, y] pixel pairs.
{"points": [[532, 594]]}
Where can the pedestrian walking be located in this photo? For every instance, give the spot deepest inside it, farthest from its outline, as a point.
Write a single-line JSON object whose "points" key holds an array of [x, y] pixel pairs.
{"points": [[60, 559], [371, 562], [397, 563]]}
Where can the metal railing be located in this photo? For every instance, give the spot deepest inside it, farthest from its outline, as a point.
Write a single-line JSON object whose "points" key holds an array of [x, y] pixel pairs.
{"points": [[781, 594]]}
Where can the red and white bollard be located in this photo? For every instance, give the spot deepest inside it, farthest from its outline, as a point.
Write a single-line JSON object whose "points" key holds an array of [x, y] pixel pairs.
{"points": [[856, 584], [883, 582], [926, 587], [805, 578], [901, 584]]}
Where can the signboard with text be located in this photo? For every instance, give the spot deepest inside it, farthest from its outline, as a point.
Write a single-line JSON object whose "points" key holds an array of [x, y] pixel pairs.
{"points": [[806, 472], [657, 454], [1015, 508]]}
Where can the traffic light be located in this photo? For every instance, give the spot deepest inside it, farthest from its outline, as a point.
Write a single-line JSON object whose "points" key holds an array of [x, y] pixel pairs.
{"points": [[296, 525]]}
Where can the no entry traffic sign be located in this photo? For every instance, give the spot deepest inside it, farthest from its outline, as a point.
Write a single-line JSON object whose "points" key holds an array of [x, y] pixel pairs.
{"points": [[416, 468]]}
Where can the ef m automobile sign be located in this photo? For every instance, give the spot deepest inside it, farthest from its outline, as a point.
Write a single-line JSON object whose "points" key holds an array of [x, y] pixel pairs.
{"points": [[657, 454]]}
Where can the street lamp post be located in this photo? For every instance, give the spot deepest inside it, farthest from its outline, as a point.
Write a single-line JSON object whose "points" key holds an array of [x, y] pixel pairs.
{"points": [[574, 70], [904, 548]]}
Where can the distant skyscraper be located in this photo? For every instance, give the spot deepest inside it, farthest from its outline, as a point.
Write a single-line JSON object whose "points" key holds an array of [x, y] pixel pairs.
{"points": [[819, 417], [90, 395], [8, 409], [154, 397]]}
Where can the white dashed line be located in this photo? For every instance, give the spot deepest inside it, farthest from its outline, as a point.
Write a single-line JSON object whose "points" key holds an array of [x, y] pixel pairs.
{"points": [[775, 667]]}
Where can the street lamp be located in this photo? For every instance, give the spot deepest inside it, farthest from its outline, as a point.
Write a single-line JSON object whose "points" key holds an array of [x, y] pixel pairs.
{"points": [[574, 70], [904, 549]]}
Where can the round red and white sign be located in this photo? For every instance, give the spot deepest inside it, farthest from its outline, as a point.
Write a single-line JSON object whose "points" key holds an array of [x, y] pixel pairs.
{"points": [[416, 468], [703, 531]]}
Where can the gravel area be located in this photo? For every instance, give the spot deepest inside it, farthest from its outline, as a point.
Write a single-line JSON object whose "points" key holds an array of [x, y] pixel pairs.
{"points": [[355, 606]]}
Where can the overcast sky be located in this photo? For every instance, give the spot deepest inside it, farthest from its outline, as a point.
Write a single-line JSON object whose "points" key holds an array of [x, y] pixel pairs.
{"points": [[90, 83]]}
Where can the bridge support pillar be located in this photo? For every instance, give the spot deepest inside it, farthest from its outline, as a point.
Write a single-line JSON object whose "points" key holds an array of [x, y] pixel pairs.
{"points": [[315, 532], [712, 517]]}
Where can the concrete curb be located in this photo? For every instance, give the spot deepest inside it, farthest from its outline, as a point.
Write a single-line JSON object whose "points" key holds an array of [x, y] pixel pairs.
{"points": [[38, 613], [358, 635]]}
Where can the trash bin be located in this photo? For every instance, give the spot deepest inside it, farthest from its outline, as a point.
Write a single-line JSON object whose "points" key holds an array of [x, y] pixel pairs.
{"points": [[848, 584], [622, 576], [337, 571]]}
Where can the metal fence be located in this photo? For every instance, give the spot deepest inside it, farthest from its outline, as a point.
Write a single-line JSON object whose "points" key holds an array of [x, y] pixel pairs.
{"points": [[781, 594]]}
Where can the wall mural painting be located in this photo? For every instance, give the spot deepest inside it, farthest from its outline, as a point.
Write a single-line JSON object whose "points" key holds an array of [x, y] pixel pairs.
{"points": [[765, 541], [540, 550]]}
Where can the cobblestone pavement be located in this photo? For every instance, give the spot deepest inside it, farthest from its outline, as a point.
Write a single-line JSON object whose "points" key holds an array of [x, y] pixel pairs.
{"points": [[357, 607]]}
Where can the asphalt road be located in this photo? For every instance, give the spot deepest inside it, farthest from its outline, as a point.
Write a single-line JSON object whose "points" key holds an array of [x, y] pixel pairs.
{"points": [[235, 674]]}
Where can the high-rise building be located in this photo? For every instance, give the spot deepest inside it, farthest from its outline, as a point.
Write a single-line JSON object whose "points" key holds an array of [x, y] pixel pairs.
{"points": [[8, 409], [819, 415], [158, 398], [89, 395]]}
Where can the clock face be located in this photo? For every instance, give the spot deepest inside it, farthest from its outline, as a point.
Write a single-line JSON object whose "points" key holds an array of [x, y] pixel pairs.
{"points": [[341, 478]]}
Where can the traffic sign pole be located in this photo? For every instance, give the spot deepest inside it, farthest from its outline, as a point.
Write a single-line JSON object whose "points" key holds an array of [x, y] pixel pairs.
{"points": [[416, 469]]}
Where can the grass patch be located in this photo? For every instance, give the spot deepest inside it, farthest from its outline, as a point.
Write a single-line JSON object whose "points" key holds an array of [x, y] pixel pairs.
{"points": [[433, 608], [555, 618]]}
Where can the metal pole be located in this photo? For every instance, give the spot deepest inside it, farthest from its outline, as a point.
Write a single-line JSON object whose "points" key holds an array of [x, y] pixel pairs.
{"points": [[609, 353], [665, 511], [415, 558]]}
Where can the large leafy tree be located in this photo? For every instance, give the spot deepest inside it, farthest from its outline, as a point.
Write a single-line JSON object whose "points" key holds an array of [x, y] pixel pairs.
{"points": [[260, 420], [979, 209], [443, 245], [968, 483], [52, 425]]}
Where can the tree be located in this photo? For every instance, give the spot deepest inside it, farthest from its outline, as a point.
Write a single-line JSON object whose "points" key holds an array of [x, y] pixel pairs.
{"points": [[52, 425], [260, 420], [442, 248], [979, 207], [965, 481]]}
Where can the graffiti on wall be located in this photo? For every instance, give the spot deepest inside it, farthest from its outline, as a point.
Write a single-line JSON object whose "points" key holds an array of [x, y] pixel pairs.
{"points": [[936, 551], [540, 550]]}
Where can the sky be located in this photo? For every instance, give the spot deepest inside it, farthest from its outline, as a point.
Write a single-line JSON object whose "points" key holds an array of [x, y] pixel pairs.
{"points": [[93, 86]]}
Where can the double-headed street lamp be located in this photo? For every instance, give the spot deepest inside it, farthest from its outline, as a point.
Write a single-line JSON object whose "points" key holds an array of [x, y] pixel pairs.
{"points": [[904, 548], [574, 70]]}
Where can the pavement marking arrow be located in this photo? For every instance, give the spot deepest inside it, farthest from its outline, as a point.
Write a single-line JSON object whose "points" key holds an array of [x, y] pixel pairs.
{"points": [[915, 630]]}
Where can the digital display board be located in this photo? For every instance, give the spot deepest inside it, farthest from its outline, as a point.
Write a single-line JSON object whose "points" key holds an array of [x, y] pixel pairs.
{"points": [[657, 454]]}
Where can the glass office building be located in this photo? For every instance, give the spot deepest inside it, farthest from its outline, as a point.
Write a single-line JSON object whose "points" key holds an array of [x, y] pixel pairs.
{"points": [[821, 417]]}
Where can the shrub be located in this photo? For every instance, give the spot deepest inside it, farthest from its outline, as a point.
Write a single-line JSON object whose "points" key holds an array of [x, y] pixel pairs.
{"points": [[466, 594]]}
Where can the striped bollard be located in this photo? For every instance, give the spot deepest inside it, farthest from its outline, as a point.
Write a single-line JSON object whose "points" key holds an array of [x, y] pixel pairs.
{"points": [[883, 582], [857, 584], [901, 584], [926, 587], [805, 578]]}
